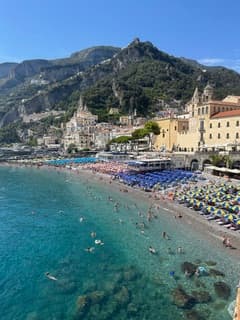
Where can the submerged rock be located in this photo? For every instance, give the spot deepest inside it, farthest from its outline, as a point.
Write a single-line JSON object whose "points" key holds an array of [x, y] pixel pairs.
{"points": [[211, 263], [132, 309], [122, 297], [222, 290], [216, 273], [201, 296], [96, 297], [194, 315], [182, 299], [130, 274], [188, 267], [82, 306]]}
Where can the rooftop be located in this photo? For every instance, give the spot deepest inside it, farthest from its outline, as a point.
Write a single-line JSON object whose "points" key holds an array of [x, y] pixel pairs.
{"points": [[226, 114]]}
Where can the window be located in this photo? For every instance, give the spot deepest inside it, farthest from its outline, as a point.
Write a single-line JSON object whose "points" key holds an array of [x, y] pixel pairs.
{"points": [[237, 135], [210, 126], [202, 110], [183, 128], [237, 123], [199, 111], [219, 136], [210, 136], [228, 125], [163, 135], [227, 135], [214, 109], [175, 128], [219, 124], [206, 110]]}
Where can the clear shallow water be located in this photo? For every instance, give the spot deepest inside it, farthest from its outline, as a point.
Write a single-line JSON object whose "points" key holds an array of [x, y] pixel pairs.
{"points": [[40, 231]]}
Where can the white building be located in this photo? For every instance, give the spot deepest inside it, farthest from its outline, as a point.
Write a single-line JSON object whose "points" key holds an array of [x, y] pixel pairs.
{"points": [[80, 129]]}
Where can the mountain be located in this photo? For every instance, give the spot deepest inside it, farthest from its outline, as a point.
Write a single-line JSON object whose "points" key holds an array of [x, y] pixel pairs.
{"points": [[138, 76], [5, 69]]}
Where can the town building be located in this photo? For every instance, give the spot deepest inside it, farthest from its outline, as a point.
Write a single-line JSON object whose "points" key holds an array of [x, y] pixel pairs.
{"points": [[208, 125], [80, 129]]}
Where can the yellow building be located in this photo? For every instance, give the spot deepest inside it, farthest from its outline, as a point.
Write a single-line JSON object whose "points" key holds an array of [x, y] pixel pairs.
{"points": [[211, 125], [169, 130]]}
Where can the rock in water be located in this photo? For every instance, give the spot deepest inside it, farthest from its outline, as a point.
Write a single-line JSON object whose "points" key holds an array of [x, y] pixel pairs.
{"points": [[222, 290], [216, 273], [182, 299], [188, 267], [201, 296]]}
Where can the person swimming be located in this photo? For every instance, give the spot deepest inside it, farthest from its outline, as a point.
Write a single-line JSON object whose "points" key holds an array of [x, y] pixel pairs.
{"points": [[99, 242], [81, 219], [93, 234], [90, 249], [152, 250], [49, 276]]}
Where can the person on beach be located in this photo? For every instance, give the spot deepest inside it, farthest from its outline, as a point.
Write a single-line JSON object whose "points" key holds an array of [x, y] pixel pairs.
{"points": [[228, 243]]}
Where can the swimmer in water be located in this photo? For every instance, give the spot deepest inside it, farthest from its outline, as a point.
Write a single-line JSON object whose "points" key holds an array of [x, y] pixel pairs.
{"points": [[93, 234], [90, 249], [99, 242], [49, 276], [81, 219], [152, 250]]}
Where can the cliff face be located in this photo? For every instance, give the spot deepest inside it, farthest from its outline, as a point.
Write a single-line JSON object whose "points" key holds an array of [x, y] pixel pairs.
{"points": [[5, 69]]}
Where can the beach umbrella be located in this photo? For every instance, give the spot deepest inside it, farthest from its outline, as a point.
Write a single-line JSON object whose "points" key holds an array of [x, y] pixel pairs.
{"points": [[230, 217], [210, 209], [219, 212], [237, 199], [235, 209], [226, 205]]}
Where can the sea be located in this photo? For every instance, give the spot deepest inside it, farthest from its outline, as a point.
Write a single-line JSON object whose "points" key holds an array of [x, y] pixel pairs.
{"points": [[73, 247]]}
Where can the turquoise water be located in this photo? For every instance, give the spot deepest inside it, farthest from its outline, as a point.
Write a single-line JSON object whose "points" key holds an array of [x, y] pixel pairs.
{"points": [[41, 231]]}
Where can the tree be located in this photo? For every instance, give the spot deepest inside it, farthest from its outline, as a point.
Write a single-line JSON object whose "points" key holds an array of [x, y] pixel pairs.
{"points": [[152, 126], [32, 141], [139, 133], [121, 139], [72, 148]]}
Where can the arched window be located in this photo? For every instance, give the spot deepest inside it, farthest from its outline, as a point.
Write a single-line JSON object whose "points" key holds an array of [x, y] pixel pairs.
{"points": [[219, 124]]}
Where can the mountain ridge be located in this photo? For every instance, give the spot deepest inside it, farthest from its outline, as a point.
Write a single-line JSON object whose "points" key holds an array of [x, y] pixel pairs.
{"points": [[135, 77]]}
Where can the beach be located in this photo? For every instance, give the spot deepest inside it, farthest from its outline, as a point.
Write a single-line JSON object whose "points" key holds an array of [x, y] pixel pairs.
{"points": [[92, 196]]}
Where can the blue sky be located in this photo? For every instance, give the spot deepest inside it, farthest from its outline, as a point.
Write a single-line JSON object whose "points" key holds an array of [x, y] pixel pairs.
{"points": [[206, 30]]}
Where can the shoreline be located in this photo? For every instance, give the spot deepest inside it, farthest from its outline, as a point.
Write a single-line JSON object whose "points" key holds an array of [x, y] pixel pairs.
{"points": [[213, 232]]}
